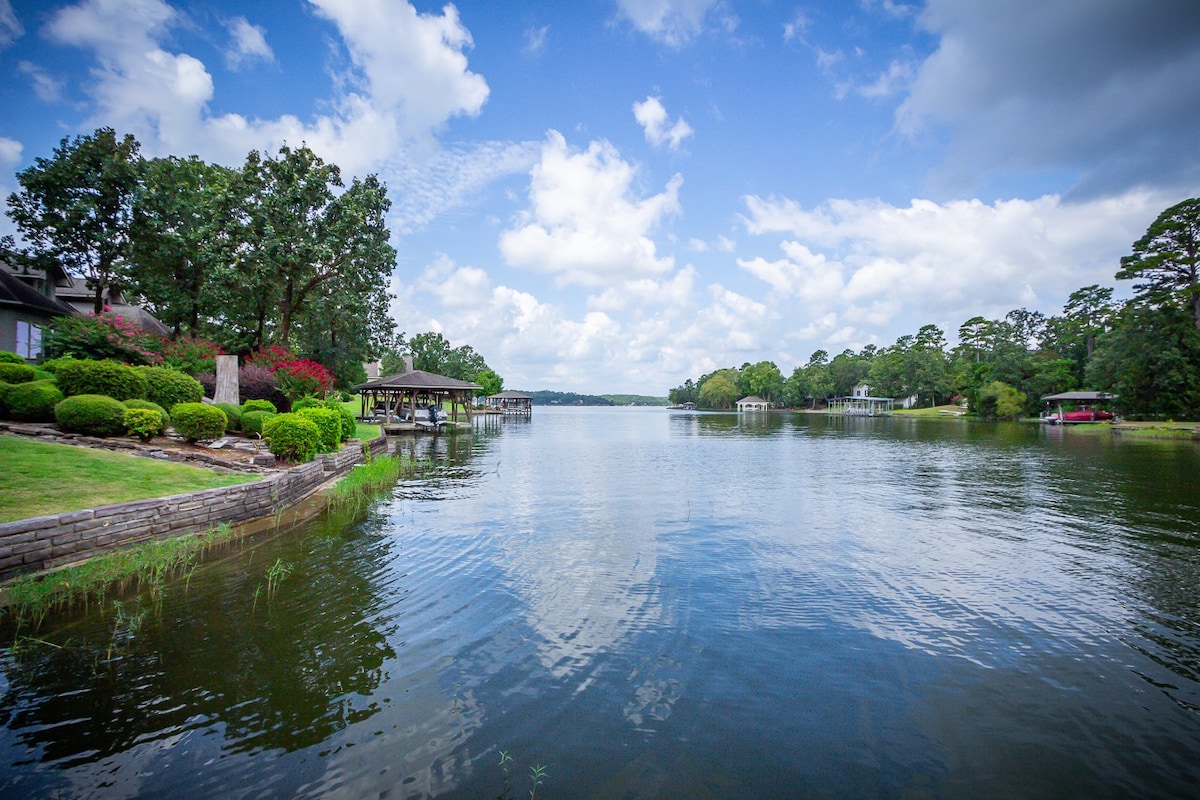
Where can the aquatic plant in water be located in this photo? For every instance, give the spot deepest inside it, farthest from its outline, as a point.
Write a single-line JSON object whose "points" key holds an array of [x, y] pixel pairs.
{"points": [[29, 598]]}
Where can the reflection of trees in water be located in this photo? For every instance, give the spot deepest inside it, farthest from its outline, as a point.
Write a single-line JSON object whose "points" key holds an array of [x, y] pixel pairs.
{"points": [[278, 672]]}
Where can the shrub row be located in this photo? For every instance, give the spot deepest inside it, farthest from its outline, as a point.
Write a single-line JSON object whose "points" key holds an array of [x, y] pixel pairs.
{"points": [[160, 385]]}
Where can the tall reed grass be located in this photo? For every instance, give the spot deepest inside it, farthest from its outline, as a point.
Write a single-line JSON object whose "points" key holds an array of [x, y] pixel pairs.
{"points": [[369, 478], [27, 599]]}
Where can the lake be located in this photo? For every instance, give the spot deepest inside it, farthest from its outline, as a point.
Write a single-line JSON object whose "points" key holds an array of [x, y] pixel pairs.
{"points": [[658, 604]]}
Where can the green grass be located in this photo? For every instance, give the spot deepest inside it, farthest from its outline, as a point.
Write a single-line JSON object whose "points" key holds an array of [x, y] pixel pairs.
{"points": [[936, 411], [27, 599], [38, 478], [369, 478]]}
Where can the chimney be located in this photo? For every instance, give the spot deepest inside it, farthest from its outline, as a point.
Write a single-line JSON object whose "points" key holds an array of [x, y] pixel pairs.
{"points": [[408, 367]]}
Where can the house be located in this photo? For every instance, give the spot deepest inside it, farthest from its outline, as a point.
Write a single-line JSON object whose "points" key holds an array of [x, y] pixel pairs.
{"points": [[27, 305], [752, 403]]}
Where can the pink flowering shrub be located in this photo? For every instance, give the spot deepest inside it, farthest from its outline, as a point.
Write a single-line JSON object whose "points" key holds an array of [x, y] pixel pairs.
{"points": [[190, 354], [100, 336]]}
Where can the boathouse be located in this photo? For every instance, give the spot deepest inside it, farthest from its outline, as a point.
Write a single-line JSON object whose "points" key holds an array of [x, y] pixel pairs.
{"points": [[752, 403], [406, 397], [511, 404], [861, 406]]}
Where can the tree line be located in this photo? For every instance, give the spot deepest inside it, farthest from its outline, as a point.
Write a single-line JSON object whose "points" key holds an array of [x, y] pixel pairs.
{"points": [[1145, 350]]}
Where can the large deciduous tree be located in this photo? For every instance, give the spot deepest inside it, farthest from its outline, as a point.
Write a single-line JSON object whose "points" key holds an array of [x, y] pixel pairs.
{"points": [[1167, 259], [305, 242], [1151, 360], [77, 208], [720, 390], [181, 234]]}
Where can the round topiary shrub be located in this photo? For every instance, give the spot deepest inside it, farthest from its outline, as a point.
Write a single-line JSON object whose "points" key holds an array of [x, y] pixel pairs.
{"points": [[112, 378], [252, 422], [234, 415], [144, 423], [291, 437], [51, 365], [33, 401], [307, 402], [196, 421], [8, 357], [259, 405], [16, 373], [164, 417], [349, 426], [91, 414], [170, 387], [329, 423]]}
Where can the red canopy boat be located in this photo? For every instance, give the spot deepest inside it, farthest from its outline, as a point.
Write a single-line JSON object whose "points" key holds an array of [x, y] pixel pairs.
{"points": [[1085, 411]]}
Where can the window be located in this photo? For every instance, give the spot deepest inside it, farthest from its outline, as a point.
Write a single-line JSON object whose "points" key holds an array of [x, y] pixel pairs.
{"points": [[29, 339]]}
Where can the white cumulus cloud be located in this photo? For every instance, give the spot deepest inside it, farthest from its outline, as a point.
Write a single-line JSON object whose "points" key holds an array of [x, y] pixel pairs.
{"points": [[672, 22], [410, 75], [248, 43], [585, 224], [652, 116]]}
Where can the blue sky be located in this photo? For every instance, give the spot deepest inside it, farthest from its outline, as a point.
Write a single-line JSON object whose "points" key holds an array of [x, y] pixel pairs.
{"points": [[616, 195]]}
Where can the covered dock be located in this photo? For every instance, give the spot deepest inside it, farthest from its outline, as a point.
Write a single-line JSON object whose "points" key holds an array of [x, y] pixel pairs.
{"points": [[861, 406], [1079, 407], [511, 404], [405, 398]]}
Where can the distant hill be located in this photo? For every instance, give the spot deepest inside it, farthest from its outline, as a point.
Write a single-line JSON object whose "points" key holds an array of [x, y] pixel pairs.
{"points": [[545, 397], [634, 400]]}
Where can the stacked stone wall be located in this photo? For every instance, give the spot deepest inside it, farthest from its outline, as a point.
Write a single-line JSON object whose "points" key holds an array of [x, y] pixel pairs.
{"points": [[40, 543]]}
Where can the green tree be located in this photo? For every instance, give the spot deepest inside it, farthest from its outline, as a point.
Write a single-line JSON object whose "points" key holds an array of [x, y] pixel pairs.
{"points": [[307, 242], [720, 390], [1088, 313], [490, 382], [763, 379], [77, 208], [180, 232], [848, 370], [431, 352], [1166, 258], [1151, 360], [687, 392], [818, 382], [926, 365], [998, 400]]}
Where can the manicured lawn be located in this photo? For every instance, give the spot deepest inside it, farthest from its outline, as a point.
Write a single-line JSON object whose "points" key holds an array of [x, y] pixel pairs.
{"points": [[38, 478]]}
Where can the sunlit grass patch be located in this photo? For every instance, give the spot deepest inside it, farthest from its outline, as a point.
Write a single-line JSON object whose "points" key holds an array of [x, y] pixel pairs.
{"points": [[40, 478]]}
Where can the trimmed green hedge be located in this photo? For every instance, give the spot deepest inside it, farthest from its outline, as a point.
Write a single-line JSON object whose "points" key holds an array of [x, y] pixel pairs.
{"points": [[328, 422], [291, 437], [253, 421], [196, 421], [9, 357], [170, 387], [234, 413], [91, 414], [259, 405], [307, 402], [31, 402], [163, 416], [16, 373], [144, 423], [112, 378]]}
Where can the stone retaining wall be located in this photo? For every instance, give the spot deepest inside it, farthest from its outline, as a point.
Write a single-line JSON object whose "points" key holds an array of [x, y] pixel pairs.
{"points": [[40, 543]]}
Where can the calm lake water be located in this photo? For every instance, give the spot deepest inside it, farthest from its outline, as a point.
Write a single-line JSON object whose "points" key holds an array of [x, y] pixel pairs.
{"points": [[665, 604]]}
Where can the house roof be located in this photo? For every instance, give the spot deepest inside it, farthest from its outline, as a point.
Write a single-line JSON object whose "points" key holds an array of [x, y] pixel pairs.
{"points": [[15, 292], [417, 380], [509, 395], [751, 399]]}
